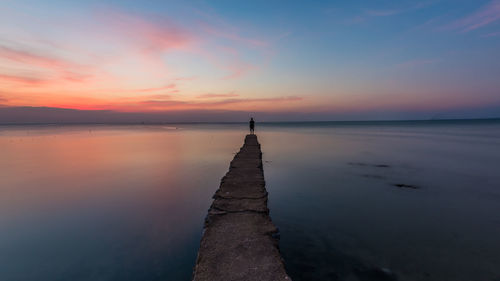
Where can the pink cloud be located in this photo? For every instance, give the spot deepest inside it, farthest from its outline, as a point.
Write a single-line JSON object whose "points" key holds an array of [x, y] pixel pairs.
{"points": [[487, 14], [64, 69], [152, 35], [33, 58], [22, 79]]}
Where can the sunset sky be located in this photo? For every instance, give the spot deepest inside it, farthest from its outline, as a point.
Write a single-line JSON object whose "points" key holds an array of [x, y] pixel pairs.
{"points": [[335, 59]]}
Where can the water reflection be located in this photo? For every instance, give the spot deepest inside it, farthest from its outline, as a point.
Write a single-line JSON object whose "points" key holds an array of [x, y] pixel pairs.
{"points": [[106, 203]]}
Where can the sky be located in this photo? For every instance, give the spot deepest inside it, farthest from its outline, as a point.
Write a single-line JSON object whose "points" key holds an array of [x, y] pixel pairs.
{"points": [[285, 60]]}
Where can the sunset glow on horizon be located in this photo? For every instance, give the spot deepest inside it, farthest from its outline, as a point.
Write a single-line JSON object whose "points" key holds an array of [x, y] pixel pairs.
{"points": [[329, 57]]}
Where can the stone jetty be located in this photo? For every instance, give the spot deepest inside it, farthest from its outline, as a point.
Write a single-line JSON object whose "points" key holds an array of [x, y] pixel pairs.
{"points": [[239, 241]]}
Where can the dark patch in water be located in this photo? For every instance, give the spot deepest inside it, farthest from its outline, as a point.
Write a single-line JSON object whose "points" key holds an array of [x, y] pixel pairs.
{"points": [[368, 165], [402, 185], [373, 176], [308, 255]]}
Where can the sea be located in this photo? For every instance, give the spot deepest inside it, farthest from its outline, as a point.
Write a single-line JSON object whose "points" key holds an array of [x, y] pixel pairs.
{"points": [[380, 200]]}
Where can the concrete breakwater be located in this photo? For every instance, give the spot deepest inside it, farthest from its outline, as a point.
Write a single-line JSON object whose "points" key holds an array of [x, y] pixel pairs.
{"points": [[239, 241]]}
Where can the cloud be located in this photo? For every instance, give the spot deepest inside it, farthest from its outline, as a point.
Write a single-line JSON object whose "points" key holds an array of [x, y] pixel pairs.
{"points": [[252, 100], [155, 104], [151, 34], [209, 96], [167, 102], [188, 78], [217, 26], [163, 103], [33, 58], [160, 96], [485, 15], [234, 44], [383, 13], [22, 79], [492, 34], [171, 104], [62, 68], [168, 87], [417, 62], [233, 36], [387, 12]]}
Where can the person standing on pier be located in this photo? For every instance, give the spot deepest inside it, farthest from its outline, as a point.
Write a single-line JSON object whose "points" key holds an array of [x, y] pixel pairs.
{"points": [[252, 126]]}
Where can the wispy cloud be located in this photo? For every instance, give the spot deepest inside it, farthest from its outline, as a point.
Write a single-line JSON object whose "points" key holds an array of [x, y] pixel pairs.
{"points": [[383, 13], [33, 58], [167, 87], [151, 35], [160, 96], [484, 16], [188, 78], [166, 104], [254, 100], [209, 96], [26, 80], [233, 36], [386, 12], [492, 34], [417, 62], [45, 69]]}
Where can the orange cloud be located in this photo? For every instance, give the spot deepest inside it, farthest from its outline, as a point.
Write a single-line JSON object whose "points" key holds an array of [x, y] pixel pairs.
{"points": [[168, 87]]}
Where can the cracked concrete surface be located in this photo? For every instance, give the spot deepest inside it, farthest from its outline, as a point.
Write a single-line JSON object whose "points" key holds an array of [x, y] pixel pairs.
{"points": [[239, 239]]}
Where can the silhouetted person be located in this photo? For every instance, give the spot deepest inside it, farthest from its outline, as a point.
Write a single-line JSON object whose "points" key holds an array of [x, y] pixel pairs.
{"points": [[252, 126]]}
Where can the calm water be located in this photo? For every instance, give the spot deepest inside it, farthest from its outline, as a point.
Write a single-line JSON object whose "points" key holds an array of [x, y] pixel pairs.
{"points": [[128, 202]]}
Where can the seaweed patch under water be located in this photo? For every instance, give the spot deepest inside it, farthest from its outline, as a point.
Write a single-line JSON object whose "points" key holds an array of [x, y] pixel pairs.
{"points": [[402, 185]]}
